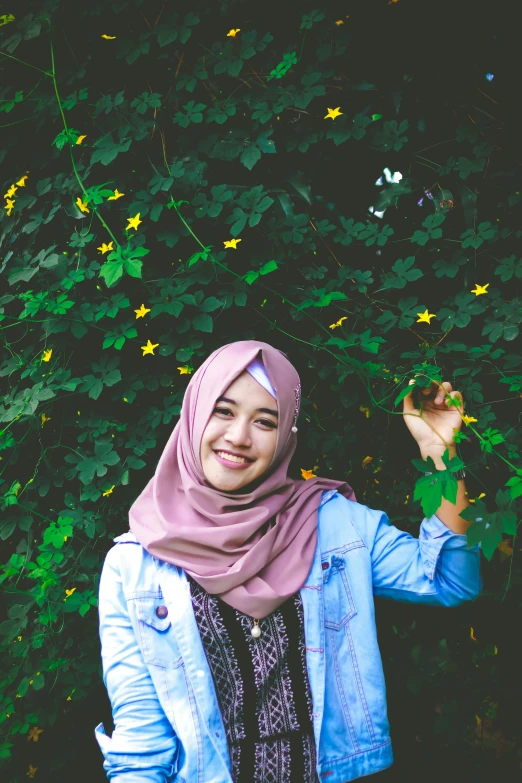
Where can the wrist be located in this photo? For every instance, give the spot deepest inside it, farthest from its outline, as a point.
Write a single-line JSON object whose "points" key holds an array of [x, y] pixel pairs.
{"points": [[436, 452]]}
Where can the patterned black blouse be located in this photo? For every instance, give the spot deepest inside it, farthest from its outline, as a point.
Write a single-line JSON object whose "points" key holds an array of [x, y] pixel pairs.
{"points": [[262, 688]]}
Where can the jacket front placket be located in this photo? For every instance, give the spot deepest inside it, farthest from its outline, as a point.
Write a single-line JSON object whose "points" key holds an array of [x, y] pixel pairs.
{"points": [[313, 610], [176, 594]]}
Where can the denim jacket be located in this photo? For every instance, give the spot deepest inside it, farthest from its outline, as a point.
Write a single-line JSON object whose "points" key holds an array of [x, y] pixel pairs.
{"points": [[168, 725]]}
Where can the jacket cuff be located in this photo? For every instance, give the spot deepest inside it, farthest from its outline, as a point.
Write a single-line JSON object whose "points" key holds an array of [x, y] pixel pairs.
{"points": [[433, 536]]}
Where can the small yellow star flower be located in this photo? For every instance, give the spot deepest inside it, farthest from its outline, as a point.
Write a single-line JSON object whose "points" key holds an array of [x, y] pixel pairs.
{"points": [[108, 37], [9, 206], [134, 222], [46, 356], [232, 33], [332, 114], [307, 474], [480, 289], [339, 21], [338, 323], [105, 248], [142, 311], [12, 190], [366, 461], [186, 370], [82, 205], [81, 138], [44, 418], [149, 348], [31, 772], [468, 419], [108, 491], [232, 243], [425, 317], [21, 181], [33, 733], [68, 593], [116, 195]]}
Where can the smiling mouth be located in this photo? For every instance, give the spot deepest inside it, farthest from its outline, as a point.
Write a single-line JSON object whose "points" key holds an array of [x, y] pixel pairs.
{"points": [[233, 458]]}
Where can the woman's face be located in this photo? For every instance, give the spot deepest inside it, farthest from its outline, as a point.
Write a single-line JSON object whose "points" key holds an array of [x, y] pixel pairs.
{"points": [[244, 423]]}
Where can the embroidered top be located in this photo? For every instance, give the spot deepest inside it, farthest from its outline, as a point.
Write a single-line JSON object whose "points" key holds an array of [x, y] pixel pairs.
{"points": [[262, 688]]}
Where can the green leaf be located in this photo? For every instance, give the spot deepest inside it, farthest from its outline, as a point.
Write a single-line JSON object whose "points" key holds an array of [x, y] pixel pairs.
{"points": [[250, 156], [202, 322]]}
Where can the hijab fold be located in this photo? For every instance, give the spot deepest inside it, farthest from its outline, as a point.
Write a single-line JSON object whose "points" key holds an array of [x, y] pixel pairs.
{"points": [[254, 550]]}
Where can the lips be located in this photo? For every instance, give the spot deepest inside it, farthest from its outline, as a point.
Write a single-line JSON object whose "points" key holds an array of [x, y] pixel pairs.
{"points": [[226, 451]]}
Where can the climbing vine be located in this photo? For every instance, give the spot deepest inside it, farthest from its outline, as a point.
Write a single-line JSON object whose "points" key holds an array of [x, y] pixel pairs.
{"points": [[176, 177]]}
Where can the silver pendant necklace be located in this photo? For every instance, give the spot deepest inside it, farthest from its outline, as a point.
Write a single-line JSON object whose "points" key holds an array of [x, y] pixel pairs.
{"points": [[256, 630]]}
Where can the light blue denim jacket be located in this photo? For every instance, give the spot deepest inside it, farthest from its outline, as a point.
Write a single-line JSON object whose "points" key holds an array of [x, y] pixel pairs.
{"points": [[168, 726]]}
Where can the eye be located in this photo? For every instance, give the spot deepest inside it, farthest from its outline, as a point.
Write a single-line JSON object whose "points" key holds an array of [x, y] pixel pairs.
{"points": [[265, 422]]}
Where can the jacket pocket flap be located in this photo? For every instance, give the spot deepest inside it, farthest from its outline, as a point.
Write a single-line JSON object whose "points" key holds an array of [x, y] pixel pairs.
{"points": [[146, 611]]}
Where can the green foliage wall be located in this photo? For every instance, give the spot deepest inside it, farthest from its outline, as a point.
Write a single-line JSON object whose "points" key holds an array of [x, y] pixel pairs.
{"points": [[180, 175]]}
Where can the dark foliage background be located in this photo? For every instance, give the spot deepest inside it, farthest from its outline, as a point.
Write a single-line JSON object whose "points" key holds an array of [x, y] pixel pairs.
{"points": [[213, 137]]}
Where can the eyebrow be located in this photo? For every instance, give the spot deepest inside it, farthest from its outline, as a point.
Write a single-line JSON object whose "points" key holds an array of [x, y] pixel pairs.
{"points": [[261, 410]]}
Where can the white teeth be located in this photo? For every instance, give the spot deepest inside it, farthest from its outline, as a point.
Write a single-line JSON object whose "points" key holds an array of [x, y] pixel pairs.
{"points": [[230, 457]]}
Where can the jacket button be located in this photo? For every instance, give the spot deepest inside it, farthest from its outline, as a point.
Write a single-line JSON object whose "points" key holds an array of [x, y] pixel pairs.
{"points": [[161, 611]]}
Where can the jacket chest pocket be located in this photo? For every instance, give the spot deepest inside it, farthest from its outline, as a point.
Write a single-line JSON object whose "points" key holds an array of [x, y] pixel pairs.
{"points": [[339, 604], [156, 636]]}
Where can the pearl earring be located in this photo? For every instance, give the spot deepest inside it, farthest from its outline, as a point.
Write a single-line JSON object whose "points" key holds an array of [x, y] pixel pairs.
{"points": [[297, 391]]}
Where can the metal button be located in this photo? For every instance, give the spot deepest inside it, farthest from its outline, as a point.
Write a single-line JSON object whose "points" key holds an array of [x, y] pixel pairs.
{"points": [[161, 611]]}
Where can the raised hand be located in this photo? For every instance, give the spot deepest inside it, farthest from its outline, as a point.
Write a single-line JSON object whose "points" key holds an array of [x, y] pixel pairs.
{"points": [[433, 423]]}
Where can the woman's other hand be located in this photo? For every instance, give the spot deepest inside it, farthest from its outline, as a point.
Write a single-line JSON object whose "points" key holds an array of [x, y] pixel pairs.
{"points": [[433, 424]]}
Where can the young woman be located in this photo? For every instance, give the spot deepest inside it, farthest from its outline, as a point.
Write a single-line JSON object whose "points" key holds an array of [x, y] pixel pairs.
{"points": [[237, 617]]}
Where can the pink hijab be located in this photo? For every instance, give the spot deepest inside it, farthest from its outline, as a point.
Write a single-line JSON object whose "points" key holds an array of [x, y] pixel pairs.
{"points": [[252, 550]]}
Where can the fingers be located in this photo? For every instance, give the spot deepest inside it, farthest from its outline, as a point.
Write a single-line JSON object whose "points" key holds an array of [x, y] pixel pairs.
{"points": [[438, 391]]}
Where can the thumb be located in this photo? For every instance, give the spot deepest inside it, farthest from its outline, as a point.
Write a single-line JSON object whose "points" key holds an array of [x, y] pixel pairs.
{"points": [[407, 403]]}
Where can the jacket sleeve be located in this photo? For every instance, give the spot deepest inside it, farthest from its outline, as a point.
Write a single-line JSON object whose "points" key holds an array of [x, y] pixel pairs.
{"points": [[436, 568], [143, 746]]}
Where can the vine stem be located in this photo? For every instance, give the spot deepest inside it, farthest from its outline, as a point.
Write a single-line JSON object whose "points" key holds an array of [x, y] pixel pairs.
{"points": [[73, 163]]}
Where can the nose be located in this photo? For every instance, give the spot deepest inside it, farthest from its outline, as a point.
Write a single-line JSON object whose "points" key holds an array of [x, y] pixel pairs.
{"points": [[237, 433]]}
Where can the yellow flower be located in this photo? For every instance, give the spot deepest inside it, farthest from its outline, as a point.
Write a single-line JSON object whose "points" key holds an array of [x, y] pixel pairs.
{"points": [[12, 190], [472, 635], [134, 222], [33, 733], [232, 33], [44, 418], [31, 772], [480, 289], [68, 593], [9, 206], [467, 420], [338, 323], [105, 248], [47, 355], [82, 205], [149, 348], [482, 495], [142, 311], [367, 412], [332, 114], [19, 638], [339, 21], [186, 370], [80, 139], [108, 491], [425, 317], [108, 37], [232, 243], [116, 195], [307, 474], [366, 461], [21, 181]]}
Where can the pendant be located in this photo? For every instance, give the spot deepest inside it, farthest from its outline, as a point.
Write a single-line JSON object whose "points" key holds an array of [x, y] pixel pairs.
{"points": [[256, 630]]}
